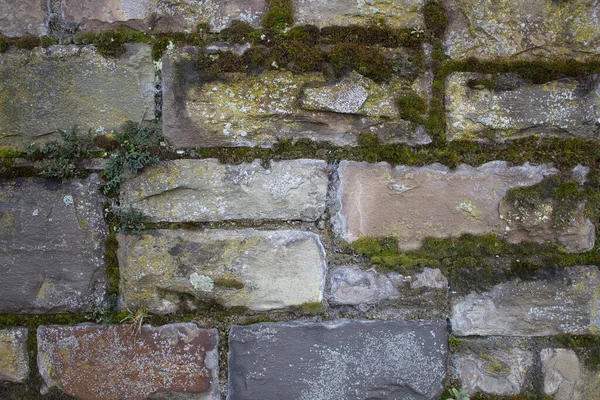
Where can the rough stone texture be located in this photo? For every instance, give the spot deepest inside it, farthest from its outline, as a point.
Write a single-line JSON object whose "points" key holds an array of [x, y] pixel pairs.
{"points": [[500, 371], [205, 190], [566, 378], [261, 270], [394, 13], [517, 108], [94, 362], [337, 360], [45, 90], [528, 29], [564, 302], [430, 278], [412, 203], [160, 15], [23, 18], [51, 246], [14, 360], [247, 110]]}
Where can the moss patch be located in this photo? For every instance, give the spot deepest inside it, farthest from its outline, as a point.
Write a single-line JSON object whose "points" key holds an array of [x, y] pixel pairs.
{"points": [[412, 108], [279, 15]]}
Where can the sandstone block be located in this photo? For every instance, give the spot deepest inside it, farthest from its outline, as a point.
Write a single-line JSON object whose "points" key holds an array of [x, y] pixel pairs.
{"points": [[566, 378], [14, 360], [46, 90], [563, 303], [339, 359], [243, 109], [24, 18], [205, 190], [261, 270], [51, 246], [394, 13], [528, 29], [114, 362], [514, 108]]}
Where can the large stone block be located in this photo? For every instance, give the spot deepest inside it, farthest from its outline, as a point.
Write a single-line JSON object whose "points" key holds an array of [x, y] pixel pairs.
{"points": [[528, 29], [247, 109], [412, 203], [160, 15], [14, 360], [46, 90], [114, 362], [337, 360], [24, 18], [566, 377], [394, 13], [564, 302], [261, 270], [205, 190], [51, 246], [514, 107]]}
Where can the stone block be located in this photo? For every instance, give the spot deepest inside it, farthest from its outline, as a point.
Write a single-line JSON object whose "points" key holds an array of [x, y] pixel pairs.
{"points": [[24, 18], [114, 362], [261, 270], [14, 360], [566, 377], [205, 190], [51, 246]]}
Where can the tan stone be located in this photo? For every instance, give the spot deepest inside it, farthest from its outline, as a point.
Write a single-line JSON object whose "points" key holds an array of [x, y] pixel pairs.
{"points": [[23, 18], [14, 360], [566, 377]]}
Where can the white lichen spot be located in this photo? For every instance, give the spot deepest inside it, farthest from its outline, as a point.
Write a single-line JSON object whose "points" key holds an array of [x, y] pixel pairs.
{"points": [[35, 212], [68, 200], [202, 282]]}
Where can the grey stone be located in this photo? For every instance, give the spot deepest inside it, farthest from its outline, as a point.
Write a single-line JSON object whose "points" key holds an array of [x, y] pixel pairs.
{"points": [[517, 108], [23, 18], [376, 200], [527, 29], [205, 190], [14, 360], [51, 246], [337, 360], [499, 371], [241, 109], [354, 286], [566, 377], [563, 303], [46, 90], [430, 278], [261, 270], [115, 362], [160, 15], [394, 13]]}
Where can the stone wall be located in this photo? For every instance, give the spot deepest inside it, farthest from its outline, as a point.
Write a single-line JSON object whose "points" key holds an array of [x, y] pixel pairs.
{"points": [[299, 199]]}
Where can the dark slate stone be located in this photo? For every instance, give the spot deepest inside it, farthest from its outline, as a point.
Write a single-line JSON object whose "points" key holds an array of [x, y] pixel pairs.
{"points": [[338, 360], [51, 246]]}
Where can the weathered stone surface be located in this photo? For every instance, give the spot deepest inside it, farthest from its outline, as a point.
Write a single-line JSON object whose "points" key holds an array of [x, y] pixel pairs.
{"points": [[160, 15], [565, 302], [45, 90], [246, 110], [261, 270], [412, 203], [566, 378], [528, 29], [430, 278], [23, 18], [337, 360], [515, 108], [14, 360], [500, 371], [205, 190], [395, 13], [94, 362], [51, 246]]}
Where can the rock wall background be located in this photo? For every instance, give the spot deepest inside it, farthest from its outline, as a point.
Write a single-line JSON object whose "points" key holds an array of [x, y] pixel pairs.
{"points": [[299, 199]]}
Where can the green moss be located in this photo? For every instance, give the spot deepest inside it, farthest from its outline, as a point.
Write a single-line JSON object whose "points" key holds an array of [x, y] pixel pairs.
{"points": [[312, 308], [8, 153], [371, 35], [110, 43], [412, 108], [31, 42], [454, 342], [435, 17], [4, 43], [367, 61], [229, 283], [237, 32], [279, 15]]}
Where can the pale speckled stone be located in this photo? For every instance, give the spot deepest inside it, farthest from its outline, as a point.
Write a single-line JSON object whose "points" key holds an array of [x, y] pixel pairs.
{"points": [[23, 18], [338, 360], [412, 203], [394, 13], [115, 362], [517, 108], [261, 270], [566, 302], [205, 190], [14, 360], [46, 90], [526, 29], [354, 286]]}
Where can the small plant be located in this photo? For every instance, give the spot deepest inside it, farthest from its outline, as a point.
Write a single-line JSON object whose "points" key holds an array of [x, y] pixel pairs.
{"points": [[412, 107], [62, 155], [461, 394], [279, 16], [137, 319], [129, 221]]}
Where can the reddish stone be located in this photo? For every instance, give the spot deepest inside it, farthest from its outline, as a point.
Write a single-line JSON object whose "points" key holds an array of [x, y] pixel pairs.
{"points": [[119, 362]]}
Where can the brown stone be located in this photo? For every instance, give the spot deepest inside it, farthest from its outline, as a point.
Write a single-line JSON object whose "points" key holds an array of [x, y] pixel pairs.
{"points": [[94, 362], [23, 17]]}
